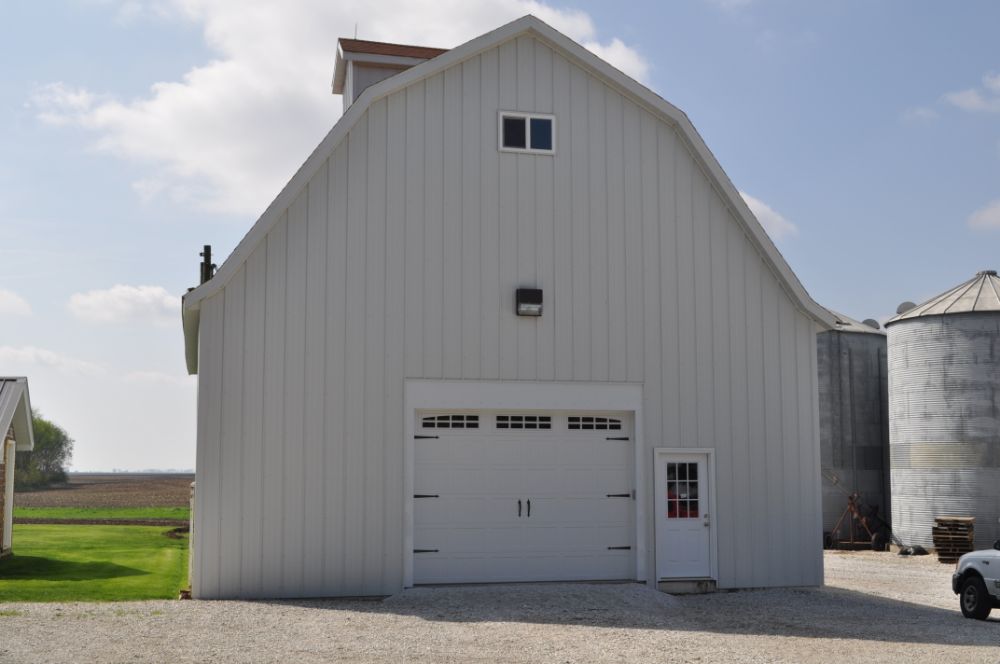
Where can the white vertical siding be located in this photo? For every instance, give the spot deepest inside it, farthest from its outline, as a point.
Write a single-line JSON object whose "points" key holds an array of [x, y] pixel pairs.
{"points": [[334, 525], [400, 259], [251, 494], [314, 434]]}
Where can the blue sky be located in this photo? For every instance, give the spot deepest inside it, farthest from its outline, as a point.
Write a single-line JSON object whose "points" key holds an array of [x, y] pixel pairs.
{"points": [[866, 134]]}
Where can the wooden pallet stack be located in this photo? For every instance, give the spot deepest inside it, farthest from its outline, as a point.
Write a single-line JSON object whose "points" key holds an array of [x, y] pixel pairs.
{"points": [[952, 536]]}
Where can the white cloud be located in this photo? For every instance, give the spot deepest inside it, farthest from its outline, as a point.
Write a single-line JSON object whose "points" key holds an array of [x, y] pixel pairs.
{"points": [[127, 303], [919, 114], [986, 218], [12, 304], [776, 225], [228, 135], [622, 56], [974, 100], [60, 104], [991, 82], [21, 359]]}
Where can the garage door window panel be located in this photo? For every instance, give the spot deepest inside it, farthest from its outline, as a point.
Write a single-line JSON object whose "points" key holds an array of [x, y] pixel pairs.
{"points": [[536, 422], [450, 421]]}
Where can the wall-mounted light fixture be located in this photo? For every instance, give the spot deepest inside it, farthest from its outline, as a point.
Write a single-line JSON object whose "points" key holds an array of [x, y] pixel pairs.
{"points": [[529, 301]]}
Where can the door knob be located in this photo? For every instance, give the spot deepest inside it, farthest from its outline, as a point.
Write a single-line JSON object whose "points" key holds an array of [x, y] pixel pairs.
{"points": [[708, 520]]}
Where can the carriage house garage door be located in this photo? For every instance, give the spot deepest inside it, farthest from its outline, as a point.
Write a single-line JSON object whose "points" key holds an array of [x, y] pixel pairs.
{"points": [[522, 496]]}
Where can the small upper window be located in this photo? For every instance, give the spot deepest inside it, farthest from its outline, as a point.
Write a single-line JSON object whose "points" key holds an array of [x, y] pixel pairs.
{"points": [[526, 132], [515, 134]]}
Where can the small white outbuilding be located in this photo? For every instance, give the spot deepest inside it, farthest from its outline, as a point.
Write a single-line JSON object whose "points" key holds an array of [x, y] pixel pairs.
{"points": [[17, 436], [510, 321]]}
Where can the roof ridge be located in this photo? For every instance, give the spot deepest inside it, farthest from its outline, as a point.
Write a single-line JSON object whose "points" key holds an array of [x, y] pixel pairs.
{"points": [[993, 286], [982, 284], [968, 286]]}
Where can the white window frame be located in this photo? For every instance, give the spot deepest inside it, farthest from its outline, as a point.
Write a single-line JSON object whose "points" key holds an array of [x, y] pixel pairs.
{"points": [[527, 131]]}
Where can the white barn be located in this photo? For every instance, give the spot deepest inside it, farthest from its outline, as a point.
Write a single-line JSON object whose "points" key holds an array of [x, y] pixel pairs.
{"points": [[373, 413]]}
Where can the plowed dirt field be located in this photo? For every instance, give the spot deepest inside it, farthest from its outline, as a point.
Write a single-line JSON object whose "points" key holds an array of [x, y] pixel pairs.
{"points": [[112, 490]]}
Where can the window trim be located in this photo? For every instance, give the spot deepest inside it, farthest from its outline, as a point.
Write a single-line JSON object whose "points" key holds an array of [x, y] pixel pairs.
{"points": [[527, 131]]}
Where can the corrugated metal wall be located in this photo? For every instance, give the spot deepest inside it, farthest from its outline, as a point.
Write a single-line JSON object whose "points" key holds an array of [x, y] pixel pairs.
{"points": [[944, 423], [400, 259], [853, 423]]}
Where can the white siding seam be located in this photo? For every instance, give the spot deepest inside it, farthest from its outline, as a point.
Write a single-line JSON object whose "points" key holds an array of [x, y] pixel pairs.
{"points": [[242, 447], [678, 442], [363, 389], [325, 440], [305, 387], [284, 406], [263, 441], [460, 102], [222, 424], [385, 339], [346, 333]]}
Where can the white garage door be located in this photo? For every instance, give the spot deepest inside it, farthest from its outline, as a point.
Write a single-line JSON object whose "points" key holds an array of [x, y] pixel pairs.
{"points": [[522, 496]]}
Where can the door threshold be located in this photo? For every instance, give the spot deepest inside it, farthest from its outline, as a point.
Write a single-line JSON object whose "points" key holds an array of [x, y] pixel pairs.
{"points": [[476, 584], [687, 586]]}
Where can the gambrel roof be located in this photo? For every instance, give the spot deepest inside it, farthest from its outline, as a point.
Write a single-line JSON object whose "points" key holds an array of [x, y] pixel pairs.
{"points": [[15, 412], [532, 26]]}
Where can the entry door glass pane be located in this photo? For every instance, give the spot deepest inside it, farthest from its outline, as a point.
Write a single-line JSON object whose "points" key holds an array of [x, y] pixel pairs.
{"points": [[682, 490]]}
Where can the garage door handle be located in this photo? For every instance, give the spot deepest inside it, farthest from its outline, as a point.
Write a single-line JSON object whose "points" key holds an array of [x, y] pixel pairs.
{"points": [[518, 508], [529, 508]]}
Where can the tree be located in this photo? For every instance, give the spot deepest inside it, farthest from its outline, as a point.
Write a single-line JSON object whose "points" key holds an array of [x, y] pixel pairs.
{"points": [[46, 464]]}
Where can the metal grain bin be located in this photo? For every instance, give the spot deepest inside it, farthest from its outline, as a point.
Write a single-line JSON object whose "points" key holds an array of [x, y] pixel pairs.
{"points": [[944, 411], [853, 418]]}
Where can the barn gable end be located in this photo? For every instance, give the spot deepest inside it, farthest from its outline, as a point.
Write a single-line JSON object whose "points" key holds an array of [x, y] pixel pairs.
{"points": [[394, 255]]}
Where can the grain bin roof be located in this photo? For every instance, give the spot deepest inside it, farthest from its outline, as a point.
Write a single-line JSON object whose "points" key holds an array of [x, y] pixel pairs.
{"points": [[15, 412], [981, 293]]}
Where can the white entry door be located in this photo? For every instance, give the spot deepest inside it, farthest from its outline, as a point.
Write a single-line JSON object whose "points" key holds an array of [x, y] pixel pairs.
{"points": [[683, 516], [522, 496]]}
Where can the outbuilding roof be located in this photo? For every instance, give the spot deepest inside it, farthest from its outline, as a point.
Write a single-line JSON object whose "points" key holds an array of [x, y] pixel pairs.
{"points": [[373, 52], [527, 25], [15, 412], [384, 48], [848, 324], [980, 293]]}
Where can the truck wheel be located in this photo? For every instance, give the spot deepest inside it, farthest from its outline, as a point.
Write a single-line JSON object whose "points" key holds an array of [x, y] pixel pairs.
{"points": [[974, 599]]}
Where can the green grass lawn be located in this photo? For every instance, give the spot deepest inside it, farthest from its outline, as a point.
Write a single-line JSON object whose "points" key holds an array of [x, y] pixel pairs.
{"points": [[182, 513], [93, 563]]}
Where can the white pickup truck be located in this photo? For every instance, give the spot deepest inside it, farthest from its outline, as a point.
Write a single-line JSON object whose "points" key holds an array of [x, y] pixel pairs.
{"points": [[976, 581]]}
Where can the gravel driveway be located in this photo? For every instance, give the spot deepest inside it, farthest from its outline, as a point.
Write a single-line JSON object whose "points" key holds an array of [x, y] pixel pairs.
{"points": [[875, 607]]}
